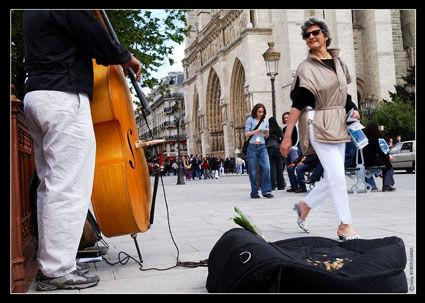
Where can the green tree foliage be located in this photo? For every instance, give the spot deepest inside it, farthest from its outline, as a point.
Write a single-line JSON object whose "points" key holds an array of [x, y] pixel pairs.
{"points": [[398, 115], [17, 54], [398, 118], [406, 92], [145, 34]]}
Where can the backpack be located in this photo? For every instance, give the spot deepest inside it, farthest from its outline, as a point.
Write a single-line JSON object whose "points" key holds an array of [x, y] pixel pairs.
{"points": [[242, 262]]}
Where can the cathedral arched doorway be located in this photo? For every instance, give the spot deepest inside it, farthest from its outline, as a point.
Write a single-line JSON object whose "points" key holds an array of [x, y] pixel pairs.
{"points": [[214, 116], [238, 104]]}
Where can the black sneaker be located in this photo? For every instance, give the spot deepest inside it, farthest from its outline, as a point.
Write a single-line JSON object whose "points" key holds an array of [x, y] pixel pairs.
{"points": [[73, 280], [256, 196], [268, 196], [388, 188]]}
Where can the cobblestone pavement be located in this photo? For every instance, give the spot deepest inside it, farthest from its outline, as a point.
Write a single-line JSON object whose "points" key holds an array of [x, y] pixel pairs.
{"points": [[199, 213]]}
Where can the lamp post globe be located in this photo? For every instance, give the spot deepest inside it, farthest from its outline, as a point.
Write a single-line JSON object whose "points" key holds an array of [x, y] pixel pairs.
{"points": [[271, 59]]}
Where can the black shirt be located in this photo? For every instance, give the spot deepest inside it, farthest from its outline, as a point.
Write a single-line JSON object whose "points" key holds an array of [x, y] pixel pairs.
{"points": [[303, 97], [60, 46]]}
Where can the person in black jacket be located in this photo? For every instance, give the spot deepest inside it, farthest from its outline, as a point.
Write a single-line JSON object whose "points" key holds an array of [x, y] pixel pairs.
{"points": [[374, 156], [60, 46], [215, 165], [275, 157]]}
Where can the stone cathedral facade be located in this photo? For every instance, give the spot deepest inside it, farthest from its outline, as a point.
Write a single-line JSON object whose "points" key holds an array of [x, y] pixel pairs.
{"points": [[225, 73]]}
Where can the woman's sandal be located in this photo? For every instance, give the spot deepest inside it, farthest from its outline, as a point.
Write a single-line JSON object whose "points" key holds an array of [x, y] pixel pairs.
{"points": [[300, 222]]}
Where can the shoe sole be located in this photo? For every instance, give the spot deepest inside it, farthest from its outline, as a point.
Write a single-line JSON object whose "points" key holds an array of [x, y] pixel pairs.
{"points": [[46, 286]]}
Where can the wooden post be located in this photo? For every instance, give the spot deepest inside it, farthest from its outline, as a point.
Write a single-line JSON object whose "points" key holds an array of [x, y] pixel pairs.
{"points": [[23, 239]]}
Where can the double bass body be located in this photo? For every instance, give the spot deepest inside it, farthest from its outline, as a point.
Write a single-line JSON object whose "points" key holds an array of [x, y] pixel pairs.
{"points": [[121, 194]]}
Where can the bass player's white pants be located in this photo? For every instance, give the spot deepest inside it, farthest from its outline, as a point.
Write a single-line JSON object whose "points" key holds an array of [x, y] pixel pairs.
{"points": [[61, 127]]}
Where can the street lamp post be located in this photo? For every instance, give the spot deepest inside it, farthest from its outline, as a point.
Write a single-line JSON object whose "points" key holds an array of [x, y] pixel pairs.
{"points": [[271, 58], [180, 178]]}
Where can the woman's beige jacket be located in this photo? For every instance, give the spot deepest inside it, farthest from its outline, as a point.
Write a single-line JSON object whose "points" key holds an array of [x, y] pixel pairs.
{"points": [[330, 93]]}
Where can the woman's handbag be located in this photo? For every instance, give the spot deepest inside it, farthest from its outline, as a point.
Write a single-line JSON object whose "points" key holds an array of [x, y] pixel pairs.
{"points": [[246, 144]]}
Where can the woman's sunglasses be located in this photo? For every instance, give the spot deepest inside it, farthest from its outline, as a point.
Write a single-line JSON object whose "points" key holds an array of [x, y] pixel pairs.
{"points": [[315, 33]]}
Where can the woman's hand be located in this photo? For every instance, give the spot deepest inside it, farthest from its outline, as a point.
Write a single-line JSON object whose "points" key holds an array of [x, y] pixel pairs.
{"points": [[254, 132], [356, 115], [285, 146]]}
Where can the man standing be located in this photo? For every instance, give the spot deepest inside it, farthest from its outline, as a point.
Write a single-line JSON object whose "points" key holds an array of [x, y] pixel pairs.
{"points": [[60, 46]]}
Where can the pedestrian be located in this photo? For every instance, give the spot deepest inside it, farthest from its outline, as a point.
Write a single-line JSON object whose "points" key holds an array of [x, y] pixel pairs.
{"points": [[187, 168], [290, 168], [257, 128], [306, 163], [320, 103], [194, 159], [275, 157], [175, 167], [374, 156], [215, 166], [209, 159], [294, 152], [60, 46], [204, 167], [350, 161], [198, 165], [390, 143], [239, 162]]}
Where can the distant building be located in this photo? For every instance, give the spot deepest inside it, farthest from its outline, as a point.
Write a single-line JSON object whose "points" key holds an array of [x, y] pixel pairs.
{"points": [[161, 120]]}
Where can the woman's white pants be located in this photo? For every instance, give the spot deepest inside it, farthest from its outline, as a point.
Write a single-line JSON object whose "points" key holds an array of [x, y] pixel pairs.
{"points": [[61, 127], [333, 183]]}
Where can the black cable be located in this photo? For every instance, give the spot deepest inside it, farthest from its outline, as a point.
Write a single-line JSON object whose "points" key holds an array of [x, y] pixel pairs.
{"points": [[189, 264], [127, 257]]}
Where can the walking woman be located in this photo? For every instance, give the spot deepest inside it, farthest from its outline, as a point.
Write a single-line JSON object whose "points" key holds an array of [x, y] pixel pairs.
{"points": [[257, 129], [320, 103]]}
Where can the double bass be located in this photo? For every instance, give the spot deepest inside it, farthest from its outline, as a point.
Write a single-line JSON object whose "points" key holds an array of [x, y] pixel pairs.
{"points": [[121, 195]]}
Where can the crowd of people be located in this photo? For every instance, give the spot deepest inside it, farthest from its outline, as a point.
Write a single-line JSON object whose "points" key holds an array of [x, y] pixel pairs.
{"points": [[302, 170], [197, 167]]}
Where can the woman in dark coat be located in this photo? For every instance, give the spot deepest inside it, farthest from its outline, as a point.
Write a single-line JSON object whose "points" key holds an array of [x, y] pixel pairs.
{"points": [[374, 156], [275, 157]]}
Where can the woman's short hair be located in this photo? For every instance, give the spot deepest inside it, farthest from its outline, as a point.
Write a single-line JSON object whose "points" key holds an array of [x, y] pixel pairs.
{"points": [[255, 108], [320, 23]]}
